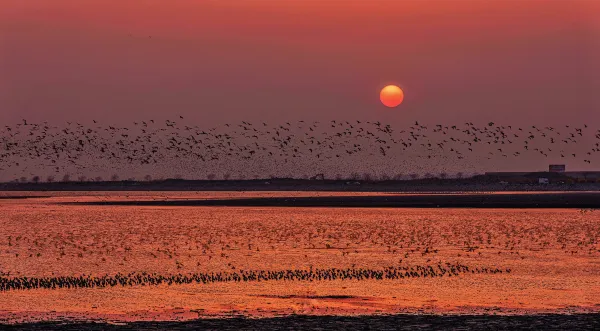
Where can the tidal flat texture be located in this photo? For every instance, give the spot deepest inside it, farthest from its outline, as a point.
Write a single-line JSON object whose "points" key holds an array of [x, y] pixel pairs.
{"points": [[305, 267]]}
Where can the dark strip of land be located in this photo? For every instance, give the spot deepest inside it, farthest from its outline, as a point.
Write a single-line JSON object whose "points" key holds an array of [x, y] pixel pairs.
{"points": [[287, 184], [393, 322], [578, 200]]}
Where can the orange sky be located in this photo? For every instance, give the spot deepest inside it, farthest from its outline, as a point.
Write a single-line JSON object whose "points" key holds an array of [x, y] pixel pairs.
{"points": [[314, 21], [216, 61], [345, 50]]}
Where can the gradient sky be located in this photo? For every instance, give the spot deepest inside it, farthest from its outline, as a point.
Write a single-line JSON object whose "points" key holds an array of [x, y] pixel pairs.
{"points": [[214, 61]]}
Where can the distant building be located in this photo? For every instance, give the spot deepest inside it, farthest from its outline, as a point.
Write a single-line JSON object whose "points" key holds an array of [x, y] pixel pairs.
{"points": [[550, 176], [557, 168]]}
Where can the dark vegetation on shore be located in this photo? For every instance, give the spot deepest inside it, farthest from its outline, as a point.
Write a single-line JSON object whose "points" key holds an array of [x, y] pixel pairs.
{"points": [[384, 322], [473, 184]]}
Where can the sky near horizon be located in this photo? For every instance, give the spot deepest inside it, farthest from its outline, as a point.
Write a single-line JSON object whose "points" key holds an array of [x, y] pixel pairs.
{"points": [[214, 61]]}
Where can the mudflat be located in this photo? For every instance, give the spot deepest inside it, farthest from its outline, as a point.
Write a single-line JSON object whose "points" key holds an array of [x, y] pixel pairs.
{"points": [[85, 262]]}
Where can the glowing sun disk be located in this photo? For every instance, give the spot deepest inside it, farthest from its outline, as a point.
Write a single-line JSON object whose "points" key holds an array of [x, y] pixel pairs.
{"points": [[391, 96]]}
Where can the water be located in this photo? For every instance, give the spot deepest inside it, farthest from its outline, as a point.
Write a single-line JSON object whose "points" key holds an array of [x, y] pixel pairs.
{"points": [[549, 258]]}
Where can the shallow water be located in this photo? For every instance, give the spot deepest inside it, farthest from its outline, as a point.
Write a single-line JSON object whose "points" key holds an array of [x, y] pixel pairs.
{"points": [[553, 257]]}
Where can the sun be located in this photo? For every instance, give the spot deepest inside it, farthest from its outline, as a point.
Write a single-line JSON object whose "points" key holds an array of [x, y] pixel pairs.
{"points": [[391, 96]]}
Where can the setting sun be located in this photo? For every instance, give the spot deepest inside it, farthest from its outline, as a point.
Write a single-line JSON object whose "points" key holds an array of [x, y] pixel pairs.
{"points": [[391, 96]]}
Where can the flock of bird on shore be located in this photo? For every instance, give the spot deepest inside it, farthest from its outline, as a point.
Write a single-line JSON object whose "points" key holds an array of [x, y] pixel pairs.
{"points": [[144, 279], [200, 248], [29, 145]]}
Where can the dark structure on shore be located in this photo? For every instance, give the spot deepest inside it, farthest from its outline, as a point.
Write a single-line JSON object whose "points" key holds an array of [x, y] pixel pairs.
{"points": [[556, 174]]}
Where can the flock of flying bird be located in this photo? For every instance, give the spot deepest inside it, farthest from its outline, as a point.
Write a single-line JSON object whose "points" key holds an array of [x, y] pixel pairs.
{"points": [[36, 146]]}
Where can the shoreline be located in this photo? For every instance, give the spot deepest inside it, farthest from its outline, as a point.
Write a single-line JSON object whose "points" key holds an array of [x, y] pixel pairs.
{"points": [[587, 200]]}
